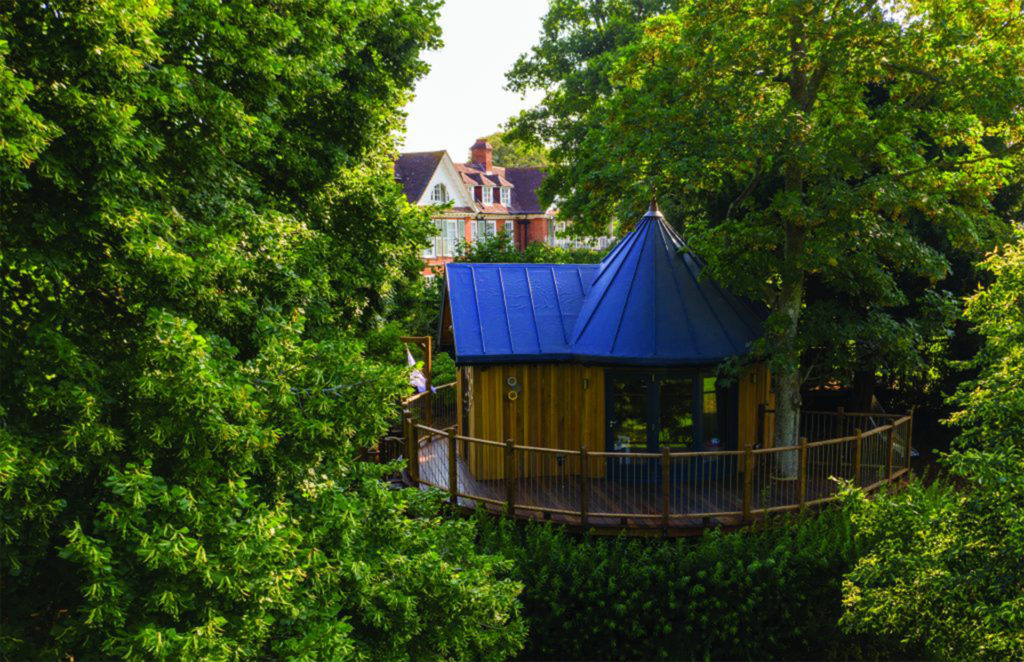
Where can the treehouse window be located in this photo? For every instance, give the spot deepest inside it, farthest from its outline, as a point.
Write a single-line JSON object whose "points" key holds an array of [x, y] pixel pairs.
{"points": [[678, 411]]}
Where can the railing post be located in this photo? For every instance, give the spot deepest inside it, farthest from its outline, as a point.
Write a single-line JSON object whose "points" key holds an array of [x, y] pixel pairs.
{"points": [[584, 486], [857, 445], [453, 468], [428, 369], [801, 487], [748, 480], [760, 425], [459, 403], [510, 477], [888, 455], [412, 448], [840, 428], [666, 475], [910, 436]]}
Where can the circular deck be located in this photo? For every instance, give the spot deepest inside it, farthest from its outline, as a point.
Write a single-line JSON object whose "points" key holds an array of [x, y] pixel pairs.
{"points": [[654, 494]]}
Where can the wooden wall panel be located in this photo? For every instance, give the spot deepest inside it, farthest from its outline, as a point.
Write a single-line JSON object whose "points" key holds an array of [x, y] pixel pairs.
{"points": [[563, 406], [558, 406], [755, 389]]}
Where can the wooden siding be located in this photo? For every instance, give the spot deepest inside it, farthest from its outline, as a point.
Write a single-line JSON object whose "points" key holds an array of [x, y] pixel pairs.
{"points": [[559, 405], [562, 406], [755, 389]]}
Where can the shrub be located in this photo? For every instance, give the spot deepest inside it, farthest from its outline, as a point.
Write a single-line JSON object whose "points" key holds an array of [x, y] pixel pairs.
{"points": [[771, 593]]}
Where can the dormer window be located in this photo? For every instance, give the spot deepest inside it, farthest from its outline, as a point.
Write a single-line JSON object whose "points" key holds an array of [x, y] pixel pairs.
{"points": [[506, 196], [488, 195], [439, 194]]}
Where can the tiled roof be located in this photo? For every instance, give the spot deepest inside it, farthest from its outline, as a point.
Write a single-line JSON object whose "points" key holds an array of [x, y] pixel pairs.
{"points": [[413, 171], [525, 182]]}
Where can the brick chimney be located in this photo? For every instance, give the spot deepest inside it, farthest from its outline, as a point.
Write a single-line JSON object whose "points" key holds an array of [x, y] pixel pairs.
{"points": [[480, 152]]}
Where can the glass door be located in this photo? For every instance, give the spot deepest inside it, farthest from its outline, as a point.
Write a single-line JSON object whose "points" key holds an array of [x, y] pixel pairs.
{"points": [[629, 406], [681, 411]]}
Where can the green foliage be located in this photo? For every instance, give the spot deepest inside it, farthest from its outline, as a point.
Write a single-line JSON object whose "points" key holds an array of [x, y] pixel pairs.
{"points": [[510, 152], [188, 291], [444, 369], [767, 594], [992, 404], [499, 249], [828, 159], [943, 577], [943, 572]]}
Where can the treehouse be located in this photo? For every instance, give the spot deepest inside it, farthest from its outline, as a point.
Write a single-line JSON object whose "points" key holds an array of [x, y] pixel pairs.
{"points": [[596, 395]]}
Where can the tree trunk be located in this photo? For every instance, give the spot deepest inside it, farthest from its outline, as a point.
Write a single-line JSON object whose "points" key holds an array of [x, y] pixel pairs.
{"points": [[787, 375], [802, 94]]}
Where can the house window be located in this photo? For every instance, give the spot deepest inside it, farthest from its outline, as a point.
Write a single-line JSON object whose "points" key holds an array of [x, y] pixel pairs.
{"points": [[506, 196], [439, 194], [434, 242], [484, 229], [488, 195], [472, 193], [454, 234]]}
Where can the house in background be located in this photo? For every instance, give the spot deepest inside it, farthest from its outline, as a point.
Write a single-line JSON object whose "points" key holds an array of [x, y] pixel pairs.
{"points": [[485, 199]]}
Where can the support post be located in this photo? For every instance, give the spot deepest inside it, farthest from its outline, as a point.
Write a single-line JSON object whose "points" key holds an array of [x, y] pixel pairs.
{"points": [[584, 486], [888, 455], [858, 444], [801, 486], [428, 368], [839, 430], [666, 476], [748, 481], [460, 402], [910, 437], [510, 477], [412, 448], [453, 468], [760, 425]]}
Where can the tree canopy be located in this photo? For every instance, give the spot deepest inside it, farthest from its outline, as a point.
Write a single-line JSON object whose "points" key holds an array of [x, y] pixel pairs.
{"points": [[188, 290], [942, 574], [805, 146], [509, 152]]}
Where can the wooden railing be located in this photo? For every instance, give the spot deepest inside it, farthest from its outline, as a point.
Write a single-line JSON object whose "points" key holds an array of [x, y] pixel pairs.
{"points": [[651, 490], [435, 408]]}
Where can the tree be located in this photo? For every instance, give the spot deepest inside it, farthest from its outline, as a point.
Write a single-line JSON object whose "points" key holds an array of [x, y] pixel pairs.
{"points": [[499, 248], [942, 574], [187, 293], [512, 153], [804, 142]]}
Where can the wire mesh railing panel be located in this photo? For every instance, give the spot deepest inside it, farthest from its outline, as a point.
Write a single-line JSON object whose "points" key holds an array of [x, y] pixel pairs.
{"points": [[705, 484], [432, 457], [444, 406], [547, 480], [874, 455], [624, 484], [828, 462], [774, 478]]}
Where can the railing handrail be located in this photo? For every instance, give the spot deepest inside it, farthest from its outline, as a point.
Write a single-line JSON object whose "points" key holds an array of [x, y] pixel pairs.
{"points": [[876, 468], [422, 395]]}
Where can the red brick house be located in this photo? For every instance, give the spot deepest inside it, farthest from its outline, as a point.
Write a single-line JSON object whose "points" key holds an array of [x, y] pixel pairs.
{"points": [[485, 199]]}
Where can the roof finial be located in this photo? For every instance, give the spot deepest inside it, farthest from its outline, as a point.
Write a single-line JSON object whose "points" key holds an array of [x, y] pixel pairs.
{"points": [[653, 209]]}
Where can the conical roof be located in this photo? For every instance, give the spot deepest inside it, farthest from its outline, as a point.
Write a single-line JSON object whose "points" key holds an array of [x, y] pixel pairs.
{"points": [[647, 305]]}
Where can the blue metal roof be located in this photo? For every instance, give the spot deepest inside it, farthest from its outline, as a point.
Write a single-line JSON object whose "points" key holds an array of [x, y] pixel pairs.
{"points": [[647, 305], [642, 305], [505, 313]]}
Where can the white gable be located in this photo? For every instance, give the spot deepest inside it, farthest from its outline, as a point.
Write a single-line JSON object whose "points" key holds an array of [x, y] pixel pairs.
{"points": [[446, 174]]}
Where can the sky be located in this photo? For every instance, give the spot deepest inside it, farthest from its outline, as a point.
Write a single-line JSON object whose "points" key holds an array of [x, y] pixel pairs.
{"points": [[463, 97]]}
